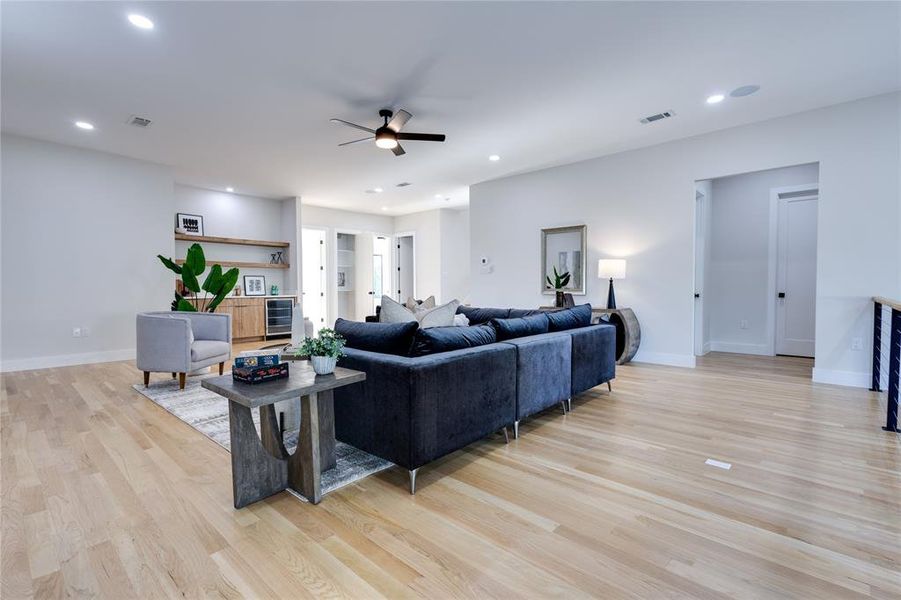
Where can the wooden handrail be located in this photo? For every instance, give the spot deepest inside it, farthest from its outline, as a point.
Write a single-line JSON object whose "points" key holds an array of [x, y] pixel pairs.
{"points": [[895, 304]]}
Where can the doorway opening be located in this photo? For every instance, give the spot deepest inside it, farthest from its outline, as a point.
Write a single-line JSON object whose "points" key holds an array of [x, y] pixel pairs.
{"points": [[755, 262]]}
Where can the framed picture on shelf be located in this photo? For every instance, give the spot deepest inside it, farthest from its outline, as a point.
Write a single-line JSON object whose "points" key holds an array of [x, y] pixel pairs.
{"points": [[254, 285], [188, 224]]}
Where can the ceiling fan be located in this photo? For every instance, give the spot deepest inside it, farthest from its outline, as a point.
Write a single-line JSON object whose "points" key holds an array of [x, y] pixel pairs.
{"points": [[389, 134]]}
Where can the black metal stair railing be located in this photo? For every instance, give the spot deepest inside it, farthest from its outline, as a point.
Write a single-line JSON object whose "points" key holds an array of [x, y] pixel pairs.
{"points": [[889, 369]]}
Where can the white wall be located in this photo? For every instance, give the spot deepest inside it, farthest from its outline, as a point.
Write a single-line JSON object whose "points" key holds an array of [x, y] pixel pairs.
{"points": [[455, 276], [239, 216], [639, 205], [80, 234], [739, 267]]}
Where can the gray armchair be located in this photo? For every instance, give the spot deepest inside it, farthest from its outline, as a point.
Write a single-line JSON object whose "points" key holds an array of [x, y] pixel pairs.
{"points": [[181, 342]]}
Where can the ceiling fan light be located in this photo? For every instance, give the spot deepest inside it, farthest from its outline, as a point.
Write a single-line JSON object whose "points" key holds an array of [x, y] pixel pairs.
{"points": [[385, 138]]}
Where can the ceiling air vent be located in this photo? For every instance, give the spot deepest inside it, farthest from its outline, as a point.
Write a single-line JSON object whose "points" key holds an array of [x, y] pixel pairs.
{"points": [[404, 184], [138, 121], [658, 117]]}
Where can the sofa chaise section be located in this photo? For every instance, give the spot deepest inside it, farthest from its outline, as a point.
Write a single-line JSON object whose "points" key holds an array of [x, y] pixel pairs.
{"points": [[412, 411], [543, 373], [593, 356]]}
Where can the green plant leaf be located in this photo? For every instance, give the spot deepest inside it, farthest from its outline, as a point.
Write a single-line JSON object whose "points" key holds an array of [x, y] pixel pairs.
{"points": [[189, 278], [213, 282], [185, 305], [565, 280], [229, 279], [196, 260], [170, 264]]}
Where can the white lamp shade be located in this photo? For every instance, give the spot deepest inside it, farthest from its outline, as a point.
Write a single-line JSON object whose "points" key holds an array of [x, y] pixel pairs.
{"points": [[612, 268]]}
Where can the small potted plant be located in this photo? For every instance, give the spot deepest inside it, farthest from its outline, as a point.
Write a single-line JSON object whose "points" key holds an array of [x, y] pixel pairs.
{"points": [[559, 283], [324, 350]]}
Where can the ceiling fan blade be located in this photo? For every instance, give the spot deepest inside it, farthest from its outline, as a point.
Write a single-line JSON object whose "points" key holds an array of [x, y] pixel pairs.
{"points": [[365, 139], [421, 137], [398, 120], [354, 125], [398, 150]]}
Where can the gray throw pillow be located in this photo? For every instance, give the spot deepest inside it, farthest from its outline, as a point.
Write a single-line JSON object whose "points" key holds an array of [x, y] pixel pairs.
{"points": [[439, 316], [395, 312]]}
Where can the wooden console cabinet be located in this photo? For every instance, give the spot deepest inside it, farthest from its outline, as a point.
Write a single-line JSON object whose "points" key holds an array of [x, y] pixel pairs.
{"points": [[248, 315]]}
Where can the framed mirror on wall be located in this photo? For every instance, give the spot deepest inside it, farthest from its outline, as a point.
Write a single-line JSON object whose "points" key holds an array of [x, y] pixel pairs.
{"points": [[564, 248]]}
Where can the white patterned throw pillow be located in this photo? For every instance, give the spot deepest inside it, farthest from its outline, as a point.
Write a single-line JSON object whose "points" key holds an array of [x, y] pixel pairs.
{"points": [[438, 316]]}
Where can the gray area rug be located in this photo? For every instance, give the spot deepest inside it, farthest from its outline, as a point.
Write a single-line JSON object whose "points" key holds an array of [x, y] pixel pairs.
{"points": [[207, 412]]}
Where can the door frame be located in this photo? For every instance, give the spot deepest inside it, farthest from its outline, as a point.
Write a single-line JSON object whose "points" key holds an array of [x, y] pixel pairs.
{"points": [[328, 244], [701, 346], [397, 236], [796, 192]]}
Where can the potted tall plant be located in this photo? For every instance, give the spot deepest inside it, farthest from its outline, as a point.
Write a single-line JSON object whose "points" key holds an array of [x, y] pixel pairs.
{"points": [[559, 283], [216, 286], [324, 350]]}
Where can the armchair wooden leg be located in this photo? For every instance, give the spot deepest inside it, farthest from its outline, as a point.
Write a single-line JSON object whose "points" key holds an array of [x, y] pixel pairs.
{"points": [[181, 381], [221, 367], [173, 375], [146, 378]]}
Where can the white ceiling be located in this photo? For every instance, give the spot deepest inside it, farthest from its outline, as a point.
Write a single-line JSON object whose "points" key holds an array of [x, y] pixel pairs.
{"points": [[241, 93]]}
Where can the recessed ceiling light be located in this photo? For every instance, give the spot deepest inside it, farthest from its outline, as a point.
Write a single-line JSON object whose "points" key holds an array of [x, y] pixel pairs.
{"points": [[84, 125], [384, 208], [438, 196], [494, 158], [229, 189], [140, 21], [716, 98], [745, 90], [378, 190]]}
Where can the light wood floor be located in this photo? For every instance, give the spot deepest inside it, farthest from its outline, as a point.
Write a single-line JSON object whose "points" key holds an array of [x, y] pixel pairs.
{"points": [[105, 494]]}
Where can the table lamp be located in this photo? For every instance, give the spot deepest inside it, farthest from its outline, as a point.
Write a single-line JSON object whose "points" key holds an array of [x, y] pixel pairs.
{"points": [[614, 268]]}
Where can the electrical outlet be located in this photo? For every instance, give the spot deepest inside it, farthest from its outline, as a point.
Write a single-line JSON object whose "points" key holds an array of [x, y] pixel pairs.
{"points": [[85, 332], [743, 324], [857, 343], [76, 332]]}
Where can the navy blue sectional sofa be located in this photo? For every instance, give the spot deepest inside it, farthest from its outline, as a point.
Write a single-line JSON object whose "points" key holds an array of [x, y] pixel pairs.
{"points": [[430, 392]]}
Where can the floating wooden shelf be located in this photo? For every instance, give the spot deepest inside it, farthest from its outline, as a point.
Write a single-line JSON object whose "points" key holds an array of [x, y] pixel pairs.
{"points": [[243, 265], [235, 241]]}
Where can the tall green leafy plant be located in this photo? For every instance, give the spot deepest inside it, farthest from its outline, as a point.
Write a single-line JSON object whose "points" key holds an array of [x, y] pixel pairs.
{"points": [[216, 286], [560, 280]]}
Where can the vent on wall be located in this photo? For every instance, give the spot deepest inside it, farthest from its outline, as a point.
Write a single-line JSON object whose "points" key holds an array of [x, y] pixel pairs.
{"points": [[658, 117], [404, 184], [138, 121]]}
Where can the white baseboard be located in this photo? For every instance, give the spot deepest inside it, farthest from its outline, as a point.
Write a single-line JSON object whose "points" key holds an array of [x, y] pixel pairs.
{"points": [[65, 360], [739, 348], [847, 378], [662, 358]]}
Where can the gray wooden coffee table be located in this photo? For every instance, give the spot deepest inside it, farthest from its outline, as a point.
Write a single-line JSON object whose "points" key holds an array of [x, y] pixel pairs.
{"points": [[261, 465]]}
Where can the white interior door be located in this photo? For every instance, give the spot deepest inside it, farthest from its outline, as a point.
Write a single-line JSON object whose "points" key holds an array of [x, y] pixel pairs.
{"points": [[700, 252], [314, 299], [363, 288], [406, 270], [796, 276]]}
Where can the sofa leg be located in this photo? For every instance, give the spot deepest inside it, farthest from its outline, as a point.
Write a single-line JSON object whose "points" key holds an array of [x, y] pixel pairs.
{"points": [[146, 378], [412, 473], [569, 404], [563, 406], [609, 387], [515, 430], [221, 367], [506, 435], [174, 374], [181, 381]]}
